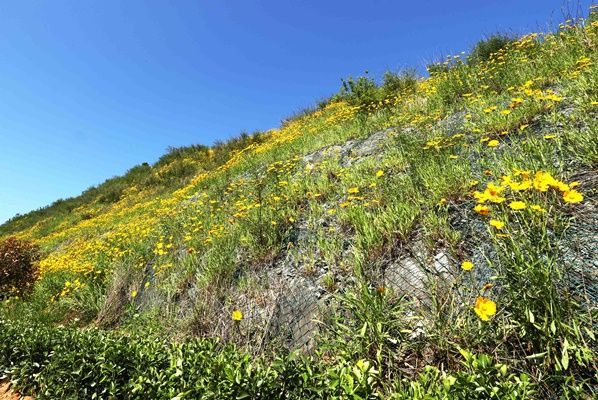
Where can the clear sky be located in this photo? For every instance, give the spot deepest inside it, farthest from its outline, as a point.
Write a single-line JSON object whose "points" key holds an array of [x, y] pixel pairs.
{"points": [[89, 89]]}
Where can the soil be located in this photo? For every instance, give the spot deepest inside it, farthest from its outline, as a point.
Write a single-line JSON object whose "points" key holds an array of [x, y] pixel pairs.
{"points": [[6, 393]]}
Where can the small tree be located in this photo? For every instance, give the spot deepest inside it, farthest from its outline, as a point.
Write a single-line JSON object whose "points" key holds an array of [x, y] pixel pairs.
{"points": [[18, 266]]}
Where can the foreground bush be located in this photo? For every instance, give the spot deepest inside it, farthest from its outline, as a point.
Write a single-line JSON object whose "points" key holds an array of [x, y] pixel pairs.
{"points": [[67, 363], [18, 269]]}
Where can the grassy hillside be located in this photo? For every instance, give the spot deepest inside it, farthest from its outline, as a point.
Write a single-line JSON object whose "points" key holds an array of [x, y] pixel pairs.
{"points": [[414, 238]]}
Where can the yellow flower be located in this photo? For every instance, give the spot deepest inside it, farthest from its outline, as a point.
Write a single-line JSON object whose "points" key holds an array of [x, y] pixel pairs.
{"points": [[536, 207], [493, 143], [517, 205], [484, 308], [497, 224], [543, 180], [466, 265], [353, 190], [492, 194], [134, 294], [505, 112], [237, 315], [379, 173], [481, 209], [548, 137], [572, 196]]}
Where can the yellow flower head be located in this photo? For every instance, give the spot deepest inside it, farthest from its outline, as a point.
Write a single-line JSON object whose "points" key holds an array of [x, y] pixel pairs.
{"points": [[572, 196], [538, 208], [379, 173], [482, 209], [543, 180], [353, 190], [493, 143], [484, 308], [517, 205], [466, 265], [237, 315], [497, 224]]}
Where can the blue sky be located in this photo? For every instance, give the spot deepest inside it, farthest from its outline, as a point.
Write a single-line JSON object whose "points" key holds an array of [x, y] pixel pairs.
{"points": [[89, 89]]}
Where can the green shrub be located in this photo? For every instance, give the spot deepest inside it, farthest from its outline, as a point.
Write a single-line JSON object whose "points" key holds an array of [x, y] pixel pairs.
{"points": [[404, 82], [486, 47], [481, 379], [360, 91], [18, 270]]}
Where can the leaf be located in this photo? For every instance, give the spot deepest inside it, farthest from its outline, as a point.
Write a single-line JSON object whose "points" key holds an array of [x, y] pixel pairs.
{"points": [[465, 354], [565, 358], [363, 329], [536, 355], [530, 316]]}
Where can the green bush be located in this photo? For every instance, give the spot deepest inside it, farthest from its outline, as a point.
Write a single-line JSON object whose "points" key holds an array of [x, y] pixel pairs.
{"points": [[62, 363], [366, 93], [18, 270], [486, 47], [481, 379], [360, 91], [404, 82]]}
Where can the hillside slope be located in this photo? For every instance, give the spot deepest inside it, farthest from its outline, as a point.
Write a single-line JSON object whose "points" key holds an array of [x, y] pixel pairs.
{"points": [[378, 246]]}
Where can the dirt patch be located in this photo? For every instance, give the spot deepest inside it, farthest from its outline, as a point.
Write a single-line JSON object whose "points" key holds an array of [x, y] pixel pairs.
{"points": [[6, 393]]}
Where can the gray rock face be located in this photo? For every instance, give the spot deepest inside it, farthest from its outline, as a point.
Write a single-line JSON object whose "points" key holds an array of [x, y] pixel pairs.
{"points": [[353, 151]]}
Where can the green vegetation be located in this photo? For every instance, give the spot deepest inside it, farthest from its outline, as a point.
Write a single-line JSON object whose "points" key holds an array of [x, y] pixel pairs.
{"points": [[418, 238]]}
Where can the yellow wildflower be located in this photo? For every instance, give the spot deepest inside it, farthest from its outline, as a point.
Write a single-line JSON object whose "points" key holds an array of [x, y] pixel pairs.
{"points": [[484, 308], [482, 209], [493, 143], [517, 205], [543, 180], [237, 315], [497, 224], [466, 265], [379, 173], [572, 196], [353, 190]]}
